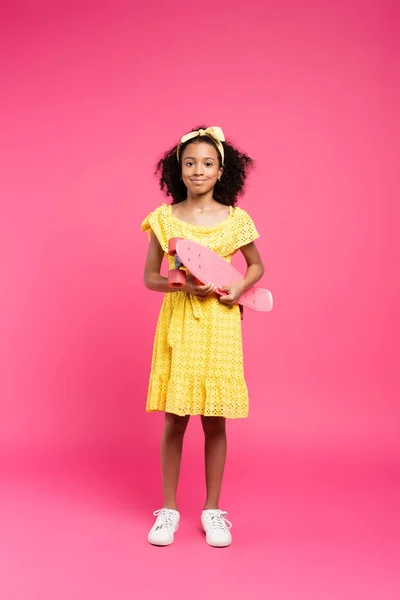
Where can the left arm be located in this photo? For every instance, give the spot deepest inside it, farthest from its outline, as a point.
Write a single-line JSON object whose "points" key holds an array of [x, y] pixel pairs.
{"points": [[255, 270]]}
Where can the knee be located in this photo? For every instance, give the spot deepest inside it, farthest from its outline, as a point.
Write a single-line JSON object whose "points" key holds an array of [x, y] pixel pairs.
{"points": [[175, 425], [213, 426]]}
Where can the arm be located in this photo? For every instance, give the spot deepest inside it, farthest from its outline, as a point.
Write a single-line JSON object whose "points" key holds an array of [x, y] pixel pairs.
{"points": [[153, 280], [255, 267], [255, 270]]}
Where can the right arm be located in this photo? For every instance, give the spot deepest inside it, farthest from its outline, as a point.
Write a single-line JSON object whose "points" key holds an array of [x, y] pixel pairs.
{"points": [[153, 280]]}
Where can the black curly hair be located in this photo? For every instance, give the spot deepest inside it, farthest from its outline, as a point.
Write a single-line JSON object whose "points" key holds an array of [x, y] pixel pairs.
{"points": [[236, 168]]}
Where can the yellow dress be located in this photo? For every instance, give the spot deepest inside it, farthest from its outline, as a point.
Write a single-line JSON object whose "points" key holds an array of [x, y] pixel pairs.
{"points": [[197, 364]]}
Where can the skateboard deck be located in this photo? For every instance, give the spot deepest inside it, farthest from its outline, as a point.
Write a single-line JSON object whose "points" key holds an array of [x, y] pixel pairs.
{"points": [[208, 267]]}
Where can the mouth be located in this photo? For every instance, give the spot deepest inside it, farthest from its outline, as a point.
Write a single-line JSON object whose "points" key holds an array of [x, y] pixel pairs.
{"points": [[198, 180]]}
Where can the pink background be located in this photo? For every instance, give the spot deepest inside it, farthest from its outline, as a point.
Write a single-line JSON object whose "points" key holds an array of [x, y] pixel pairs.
{"points": [[92, 95]]}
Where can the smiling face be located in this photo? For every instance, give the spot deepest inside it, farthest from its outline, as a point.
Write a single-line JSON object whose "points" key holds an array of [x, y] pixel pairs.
{"points": [[200, 167]]}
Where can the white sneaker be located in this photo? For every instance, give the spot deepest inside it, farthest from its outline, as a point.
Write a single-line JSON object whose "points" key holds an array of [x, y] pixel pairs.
{"points": [[216, 527], [162, 532]]}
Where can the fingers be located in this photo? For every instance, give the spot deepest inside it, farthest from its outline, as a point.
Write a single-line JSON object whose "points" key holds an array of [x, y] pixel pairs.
{"points": [[209, 289], [204, 290], [230, 299], [227, 299]]}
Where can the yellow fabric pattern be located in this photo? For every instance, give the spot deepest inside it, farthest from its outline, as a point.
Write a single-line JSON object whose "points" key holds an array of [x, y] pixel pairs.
{"points": [[197, 364]]}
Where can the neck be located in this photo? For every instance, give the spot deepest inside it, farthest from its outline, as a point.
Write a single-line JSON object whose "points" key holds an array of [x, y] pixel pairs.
{"points": [[200, 200]]}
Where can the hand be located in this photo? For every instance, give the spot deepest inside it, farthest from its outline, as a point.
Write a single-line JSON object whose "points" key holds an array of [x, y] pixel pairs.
{"points": [[234, 291], [197, 289]]}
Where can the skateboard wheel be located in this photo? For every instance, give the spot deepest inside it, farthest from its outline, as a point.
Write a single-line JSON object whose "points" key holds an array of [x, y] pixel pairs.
{"points": [[176, 278], [172, 242]]}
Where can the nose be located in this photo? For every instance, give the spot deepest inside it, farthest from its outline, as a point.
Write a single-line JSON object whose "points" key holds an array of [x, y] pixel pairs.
{"points": [[198, 169]]}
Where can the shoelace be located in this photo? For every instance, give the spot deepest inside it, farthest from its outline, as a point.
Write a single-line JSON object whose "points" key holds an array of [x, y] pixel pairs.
{"points": [[219, 521], [164, 518]]}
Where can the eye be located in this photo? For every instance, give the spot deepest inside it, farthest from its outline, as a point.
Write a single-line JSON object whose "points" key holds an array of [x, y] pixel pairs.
{"points": [[209, 164], [189, 163]]}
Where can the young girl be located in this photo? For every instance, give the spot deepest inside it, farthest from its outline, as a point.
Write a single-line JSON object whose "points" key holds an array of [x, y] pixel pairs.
{"points": [[197, 366]]}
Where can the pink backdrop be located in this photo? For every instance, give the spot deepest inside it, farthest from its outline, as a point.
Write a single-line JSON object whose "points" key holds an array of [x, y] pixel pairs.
{"points": [[92, 95], [92, 100]]}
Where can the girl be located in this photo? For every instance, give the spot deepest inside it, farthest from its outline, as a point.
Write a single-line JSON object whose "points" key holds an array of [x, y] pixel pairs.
{"points": [[197, 366]]}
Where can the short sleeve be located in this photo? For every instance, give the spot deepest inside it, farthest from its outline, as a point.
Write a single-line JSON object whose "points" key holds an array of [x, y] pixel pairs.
{"points": [[157, 222], [244, 231]]}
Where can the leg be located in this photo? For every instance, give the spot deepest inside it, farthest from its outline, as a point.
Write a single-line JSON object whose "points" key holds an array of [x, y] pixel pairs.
{"points": [[171, 455], [215, 455]]}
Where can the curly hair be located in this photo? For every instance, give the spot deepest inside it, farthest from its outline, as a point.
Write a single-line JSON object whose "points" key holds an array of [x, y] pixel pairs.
{"points": [[227, 190]]}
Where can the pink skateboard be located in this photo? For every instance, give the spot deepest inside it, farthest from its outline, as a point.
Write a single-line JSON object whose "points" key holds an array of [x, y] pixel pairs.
{"points": [[207, 266]]}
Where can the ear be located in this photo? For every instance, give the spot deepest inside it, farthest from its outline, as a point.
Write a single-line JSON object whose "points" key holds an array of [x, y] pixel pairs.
{"points": [[220, 172]]}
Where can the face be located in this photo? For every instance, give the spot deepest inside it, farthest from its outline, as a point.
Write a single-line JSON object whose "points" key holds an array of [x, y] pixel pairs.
{"points": [[200, 167]]}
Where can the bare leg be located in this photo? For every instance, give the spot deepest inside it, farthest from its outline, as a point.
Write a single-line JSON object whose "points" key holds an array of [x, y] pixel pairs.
{"points": [[215, 456], [171, 456]]}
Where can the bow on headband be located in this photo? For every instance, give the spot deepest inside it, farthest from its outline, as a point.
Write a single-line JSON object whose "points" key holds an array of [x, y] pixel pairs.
{"points": [[215, 133]]}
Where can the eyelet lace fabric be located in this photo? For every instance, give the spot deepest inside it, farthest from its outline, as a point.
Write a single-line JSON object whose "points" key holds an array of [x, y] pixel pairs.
{"points": [[197, 363]]}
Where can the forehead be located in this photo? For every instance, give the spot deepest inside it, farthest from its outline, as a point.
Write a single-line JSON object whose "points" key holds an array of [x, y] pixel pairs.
{"points": [[200, 150]]}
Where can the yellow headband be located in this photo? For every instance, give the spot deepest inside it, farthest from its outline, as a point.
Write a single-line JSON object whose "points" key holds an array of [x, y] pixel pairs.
{"points": [[215, 133]]}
